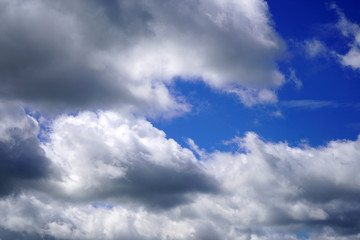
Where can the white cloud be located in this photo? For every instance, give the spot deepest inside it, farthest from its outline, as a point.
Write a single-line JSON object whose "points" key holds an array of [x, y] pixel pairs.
{"points": [[120, 54], [352, 58], [352, 31], [119, 177], [106, 155], [252, 96]]}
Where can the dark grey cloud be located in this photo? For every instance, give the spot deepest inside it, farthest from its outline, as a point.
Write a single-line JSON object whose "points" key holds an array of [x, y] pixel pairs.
{"points": [[22, 160], [51, 55], [162, 187], [146, 184], [46, 56], [8, 234]]}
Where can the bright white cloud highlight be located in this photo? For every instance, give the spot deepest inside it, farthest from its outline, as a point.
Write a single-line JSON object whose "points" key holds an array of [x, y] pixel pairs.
{"points": [[106, 155]]}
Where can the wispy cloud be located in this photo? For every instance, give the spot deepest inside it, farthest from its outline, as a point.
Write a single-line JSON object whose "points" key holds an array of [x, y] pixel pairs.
{"points": [[309, 104], [314, 48], [293, 78], [352, 31]]}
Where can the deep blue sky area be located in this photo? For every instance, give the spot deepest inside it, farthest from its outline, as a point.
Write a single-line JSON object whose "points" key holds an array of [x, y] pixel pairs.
{"points": [[330, 89], [304, 19]]}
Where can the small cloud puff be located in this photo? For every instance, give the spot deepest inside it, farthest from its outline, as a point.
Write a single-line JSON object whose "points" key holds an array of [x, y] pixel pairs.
{"points": [[314, 48]]}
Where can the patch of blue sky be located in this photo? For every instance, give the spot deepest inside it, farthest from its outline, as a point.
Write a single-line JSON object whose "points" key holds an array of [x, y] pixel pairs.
{"points": [[102, 205], [44, 124], [303, 235]]}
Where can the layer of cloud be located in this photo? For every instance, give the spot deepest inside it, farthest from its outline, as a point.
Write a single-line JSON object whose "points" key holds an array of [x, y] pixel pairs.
{"points": [[101, 54], [119, 177]]}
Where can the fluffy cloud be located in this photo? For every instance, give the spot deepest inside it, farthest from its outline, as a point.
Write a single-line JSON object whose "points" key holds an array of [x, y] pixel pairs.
{"points": [[90, 54], [119, 177], [106, 155], [284, 184]]}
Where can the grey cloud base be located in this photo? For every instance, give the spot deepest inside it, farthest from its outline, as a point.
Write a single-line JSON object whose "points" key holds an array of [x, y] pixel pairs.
{"points": [[125, 177]]}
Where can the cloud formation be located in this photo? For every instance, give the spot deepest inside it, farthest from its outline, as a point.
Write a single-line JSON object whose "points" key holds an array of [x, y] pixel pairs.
{"points": [[351, 31], [98, 169], [108, 156], [125, 177], [91, 54]]}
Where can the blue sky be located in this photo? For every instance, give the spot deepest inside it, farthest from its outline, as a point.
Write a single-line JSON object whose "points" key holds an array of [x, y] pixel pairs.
{"points": [[328, 101], [194, 119]]}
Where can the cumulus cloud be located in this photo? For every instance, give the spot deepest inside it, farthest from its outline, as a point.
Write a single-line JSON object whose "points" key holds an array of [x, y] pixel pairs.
{"points": [[285, 184], [91, 54], [106, 155], [110, 174], [22, 161], [120, 177]]}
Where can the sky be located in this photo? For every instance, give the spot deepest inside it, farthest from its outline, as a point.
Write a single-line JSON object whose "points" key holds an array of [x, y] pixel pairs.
{"points": [[165, 119]]}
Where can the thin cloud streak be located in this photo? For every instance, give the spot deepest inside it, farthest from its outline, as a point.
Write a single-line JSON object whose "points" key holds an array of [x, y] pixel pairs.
{"points": [[310, 104]]}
